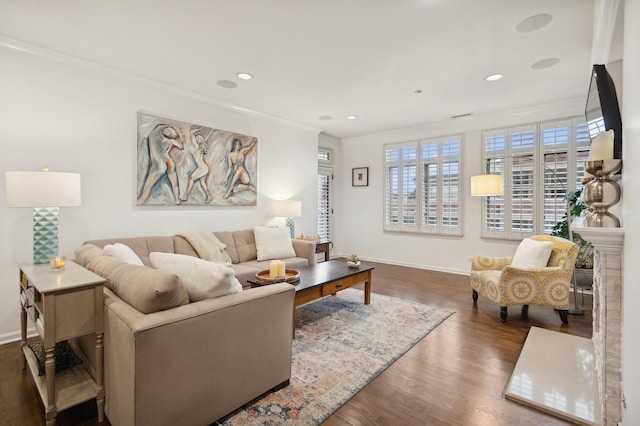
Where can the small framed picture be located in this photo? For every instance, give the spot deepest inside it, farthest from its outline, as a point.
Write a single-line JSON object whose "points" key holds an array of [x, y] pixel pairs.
{"points": [[360, 176]]}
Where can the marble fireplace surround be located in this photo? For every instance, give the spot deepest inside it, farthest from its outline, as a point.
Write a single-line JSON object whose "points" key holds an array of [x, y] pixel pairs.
{"points": [[607, 316], [583, 381]]}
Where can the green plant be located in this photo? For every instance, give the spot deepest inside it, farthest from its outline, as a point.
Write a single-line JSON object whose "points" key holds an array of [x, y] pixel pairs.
{"points": [[353, 258], [561, 229]]}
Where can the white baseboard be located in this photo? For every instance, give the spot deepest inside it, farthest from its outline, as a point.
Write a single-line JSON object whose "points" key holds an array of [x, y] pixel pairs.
{"points": [[410, 265], [15, 336]]}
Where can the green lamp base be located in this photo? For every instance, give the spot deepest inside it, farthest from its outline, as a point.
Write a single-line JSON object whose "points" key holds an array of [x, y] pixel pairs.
{"points": [[292, 227], [45, 233]]}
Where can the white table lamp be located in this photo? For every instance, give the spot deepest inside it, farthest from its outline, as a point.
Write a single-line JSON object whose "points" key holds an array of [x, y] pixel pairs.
{"points": [[44, 191], [289, 209]]}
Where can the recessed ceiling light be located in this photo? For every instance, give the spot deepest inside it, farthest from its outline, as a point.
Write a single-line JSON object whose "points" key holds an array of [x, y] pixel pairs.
{"points": [[494, 77], [325, 117], [544, 63], [227, 84], [534, 23], [351, 117], [244, 76]]}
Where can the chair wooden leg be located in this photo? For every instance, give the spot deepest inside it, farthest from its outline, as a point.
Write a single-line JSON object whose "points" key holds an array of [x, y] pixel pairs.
{"points": [[525, 312], [474, 294], [503, 313], [563, 315]]}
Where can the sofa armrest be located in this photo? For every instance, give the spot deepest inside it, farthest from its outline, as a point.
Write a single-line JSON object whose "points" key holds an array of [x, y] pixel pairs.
{"points": [[306, 249], [487, 263], [547, 286], [138, 321]]}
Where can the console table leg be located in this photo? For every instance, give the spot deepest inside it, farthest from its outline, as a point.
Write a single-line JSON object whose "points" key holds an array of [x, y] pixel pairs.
{"points": [[23, 338], [50, 372], [367, 290], [100, 376]]}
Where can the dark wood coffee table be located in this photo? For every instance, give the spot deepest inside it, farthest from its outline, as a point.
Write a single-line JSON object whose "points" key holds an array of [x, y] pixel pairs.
{"points": [[324, 279]]}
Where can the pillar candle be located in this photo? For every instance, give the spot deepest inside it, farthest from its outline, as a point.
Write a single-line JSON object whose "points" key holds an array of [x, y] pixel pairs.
{"points": [[281, 268], [602, 147], [273, 269]]}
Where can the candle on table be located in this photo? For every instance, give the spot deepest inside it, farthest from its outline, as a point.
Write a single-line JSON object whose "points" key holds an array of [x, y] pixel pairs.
{"points": [[273, 269], [56, 263], [281, 269]]}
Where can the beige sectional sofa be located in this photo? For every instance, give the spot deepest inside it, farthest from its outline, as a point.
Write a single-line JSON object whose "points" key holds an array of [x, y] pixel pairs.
{"points": [[188, 363]]}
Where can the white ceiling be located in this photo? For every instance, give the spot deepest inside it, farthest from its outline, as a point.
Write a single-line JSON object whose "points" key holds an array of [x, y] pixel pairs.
{"points": [[313, 58]]}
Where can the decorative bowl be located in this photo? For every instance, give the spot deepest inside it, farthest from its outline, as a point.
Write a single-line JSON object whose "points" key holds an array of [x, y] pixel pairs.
{"points": [[291, 276], [351, 264]]}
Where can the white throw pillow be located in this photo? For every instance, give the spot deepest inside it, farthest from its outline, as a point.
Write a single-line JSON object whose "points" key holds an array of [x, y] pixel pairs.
{"points": [[202, 279], [273, 243], [532, 254], [122, 252]]}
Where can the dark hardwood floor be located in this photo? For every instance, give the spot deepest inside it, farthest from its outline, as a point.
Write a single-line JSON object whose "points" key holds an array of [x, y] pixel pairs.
{"points": [[454, 376]]}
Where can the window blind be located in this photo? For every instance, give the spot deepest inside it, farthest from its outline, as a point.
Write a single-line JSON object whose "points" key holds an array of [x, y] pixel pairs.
{"points": [[540, 164], [422, 186]]}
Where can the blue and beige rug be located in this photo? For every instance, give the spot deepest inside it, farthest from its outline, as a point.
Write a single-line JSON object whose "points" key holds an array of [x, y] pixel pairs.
{"points": [[340, 346]]}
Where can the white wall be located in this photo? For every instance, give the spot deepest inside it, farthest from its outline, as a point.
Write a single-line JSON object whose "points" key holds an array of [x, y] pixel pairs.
{"points": [[361, 220], [631, 177], [79, 117]]}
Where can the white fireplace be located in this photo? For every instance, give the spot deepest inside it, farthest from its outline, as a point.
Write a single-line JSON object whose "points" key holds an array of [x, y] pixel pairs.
{"points": [[607, 316]]}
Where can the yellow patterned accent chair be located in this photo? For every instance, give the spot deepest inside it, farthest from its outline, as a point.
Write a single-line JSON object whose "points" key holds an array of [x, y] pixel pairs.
{"points": [[497, 280]]}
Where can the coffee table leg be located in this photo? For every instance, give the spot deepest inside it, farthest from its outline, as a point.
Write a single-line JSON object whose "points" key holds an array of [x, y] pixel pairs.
{"points": [[367, 289]]}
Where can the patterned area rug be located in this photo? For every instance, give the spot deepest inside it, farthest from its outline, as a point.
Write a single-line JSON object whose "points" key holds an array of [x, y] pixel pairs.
{"points": [[366, 339]]}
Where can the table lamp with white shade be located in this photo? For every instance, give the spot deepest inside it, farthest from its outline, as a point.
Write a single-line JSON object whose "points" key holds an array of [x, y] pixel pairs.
{"points": [[289, 209], [45, 192]]}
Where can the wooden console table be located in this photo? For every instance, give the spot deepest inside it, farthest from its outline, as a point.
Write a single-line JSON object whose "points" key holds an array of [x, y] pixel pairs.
{"points": [[61, 305], [323, 247]]}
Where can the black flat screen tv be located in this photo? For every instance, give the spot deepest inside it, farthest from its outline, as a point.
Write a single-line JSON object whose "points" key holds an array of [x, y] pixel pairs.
{"points": [[602, 111]]}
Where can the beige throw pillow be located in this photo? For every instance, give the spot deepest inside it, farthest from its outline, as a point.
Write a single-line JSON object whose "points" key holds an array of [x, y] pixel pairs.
{"points": [[203, 279], [146, 289], [86, 252], [273, 243], [532, 254]]}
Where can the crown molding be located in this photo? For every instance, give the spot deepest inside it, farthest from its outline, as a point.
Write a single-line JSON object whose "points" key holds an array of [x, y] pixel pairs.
{"points": [[53, 55]]}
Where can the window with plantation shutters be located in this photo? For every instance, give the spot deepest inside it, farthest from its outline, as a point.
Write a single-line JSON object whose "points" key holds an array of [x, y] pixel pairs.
{"points": [[325, 204], [541, 163], [422, 186]]}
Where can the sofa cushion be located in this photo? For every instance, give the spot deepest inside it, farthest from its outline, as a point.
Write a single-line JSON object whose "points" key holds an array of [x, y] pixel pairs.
{"points": [[226, 238], [273, 243], [122, 252], [182, 246], [289, 262], [203, 279], [532, 254], [245, 243], [146, 289], [142, 246]]}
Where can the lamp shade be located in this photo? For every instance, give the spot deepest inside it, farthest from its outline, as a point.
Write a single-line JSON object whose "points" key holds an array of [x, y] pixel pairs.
{"points": [[288, 208], [43, 189], [487, 185]]}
